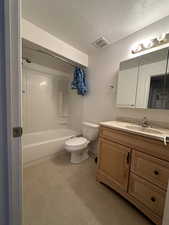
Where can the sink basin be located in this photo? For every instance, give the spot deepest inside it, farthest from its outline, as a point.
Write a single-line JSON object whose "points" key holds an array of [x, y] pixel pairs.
{"points": [[144, 129]]}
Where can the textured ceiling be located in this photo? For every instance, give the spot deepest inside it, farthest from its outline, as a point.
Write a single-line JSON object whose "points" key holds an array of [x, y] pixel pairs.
{"points": [[81, 22]]}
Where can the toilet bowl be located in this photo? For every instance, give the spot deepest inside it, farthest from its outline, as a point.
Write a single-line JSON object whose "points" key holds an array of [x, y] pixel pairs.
{"points": [[78, 146]]}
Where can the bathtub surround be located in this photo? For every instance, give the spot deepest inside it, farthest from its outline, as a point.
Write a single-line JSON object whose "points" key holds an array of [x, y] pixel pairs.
{"points": [[45, 98], [76, 110], [100, 104], [48, 101]]}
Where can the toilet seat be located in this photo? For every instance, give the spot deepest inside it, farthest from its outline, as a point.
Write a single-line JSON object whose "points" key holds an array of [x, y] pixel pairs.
{"points": [[76, 143]]}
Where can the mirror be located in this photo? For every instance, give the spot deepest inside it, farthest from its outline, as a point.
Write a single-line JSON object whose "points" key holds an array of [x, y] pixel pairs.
{"points": [[152, 72], [143, 81]]}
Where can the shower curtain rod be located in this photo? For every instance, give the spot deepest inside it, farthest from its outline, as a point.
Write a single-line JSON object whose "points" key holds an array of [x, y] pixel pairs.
{"points": [[55, 56]]}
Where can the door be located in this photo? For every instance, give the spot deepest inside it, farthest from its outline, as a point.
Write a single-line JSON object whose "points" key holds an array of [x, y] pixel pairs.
{"points": [[114, 163], [3, 130], [127, 83], [12, 107]]}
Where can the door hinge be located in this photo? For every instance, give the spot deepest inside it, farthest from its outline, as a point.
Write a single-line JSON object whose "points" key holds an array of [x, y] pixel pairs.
{"points": [[17, 132]]}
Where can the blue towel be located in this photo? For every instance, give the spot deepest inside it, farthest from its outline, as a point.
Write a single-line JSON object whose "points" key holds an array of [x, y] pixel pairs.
{"points": [[79, 82]]}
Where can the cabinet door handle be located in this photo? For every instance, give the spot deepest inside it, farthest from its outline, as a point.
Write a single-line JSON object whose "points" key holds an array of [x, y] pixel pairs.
{"points": [[153, 199], [128, 158], [156, 172]]}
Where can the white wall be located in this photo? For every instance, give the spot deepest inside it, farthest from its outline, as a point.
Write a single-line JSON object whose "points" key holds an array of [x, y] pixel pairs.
{"points": [[100, 104]]}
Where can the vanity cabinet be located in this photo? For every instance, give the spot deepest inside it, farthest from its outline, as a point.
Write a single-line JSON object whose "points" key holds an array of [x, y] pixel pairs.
{"points": [[137, 167]]}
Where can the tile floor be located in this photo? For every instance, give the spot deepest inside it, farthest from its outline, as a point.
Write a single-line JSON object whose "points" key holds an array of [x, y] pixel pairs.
{"points": [[59, 193]]}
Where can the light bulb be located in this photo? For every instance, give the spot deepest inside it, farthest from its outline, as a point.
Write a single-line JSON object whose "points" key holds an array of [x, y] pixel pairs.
{"points": [[136, 48], [148, 43], [161, 37]]}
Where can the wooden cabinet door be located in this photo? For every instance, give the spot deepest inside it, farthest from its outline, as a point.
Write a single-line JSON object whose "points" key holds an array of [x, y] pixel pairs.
{"points": [[114, 160]]}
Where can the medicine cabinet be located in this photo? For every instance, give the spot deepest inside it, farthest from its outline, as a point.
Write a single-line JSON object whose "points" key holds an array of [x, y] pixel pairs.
{"points": [[143, 82]]}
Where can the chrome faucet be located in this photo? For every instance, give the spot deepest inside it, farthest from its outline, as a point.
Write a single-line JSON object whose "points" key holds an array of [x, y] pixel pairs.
{"points": [[145, 122]]}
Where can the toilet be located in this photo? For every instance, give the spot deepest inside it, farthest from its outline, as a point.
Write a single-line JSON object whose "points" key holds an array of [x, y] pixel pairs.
{"points": [[78, 146]]}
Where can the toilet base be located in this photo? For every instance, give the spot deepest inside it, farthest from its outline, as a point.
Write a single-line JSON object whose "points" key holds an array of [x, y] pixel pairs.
{"points": [[79, 156]]}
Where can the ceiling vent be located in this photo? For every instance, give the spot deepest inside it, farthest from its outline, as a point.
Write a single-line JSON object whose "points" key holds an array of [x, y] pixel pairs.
{"points": [[101, 42]]}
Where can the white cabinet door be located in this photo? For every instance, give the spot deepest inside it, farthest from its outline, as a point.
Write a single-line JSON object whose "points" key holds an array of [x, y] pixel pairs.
{"points": [[127, 86], [151, 65], [146, 72]]}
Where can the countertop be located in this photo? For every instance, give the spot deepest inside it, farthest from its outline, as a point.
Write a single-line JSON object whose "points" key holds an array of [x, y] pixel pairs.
{"points": [[163, 134]]}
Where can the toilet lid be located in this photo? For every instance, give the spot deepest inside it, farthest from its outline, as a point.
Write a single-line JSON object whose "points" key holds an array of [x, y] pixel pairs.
{"points": [[76, 143]]}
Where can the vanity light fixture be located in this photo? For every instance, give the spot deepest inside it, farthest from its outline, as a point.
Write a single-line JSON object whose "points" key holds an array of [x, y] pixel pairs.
{"points": [[150, 43]]}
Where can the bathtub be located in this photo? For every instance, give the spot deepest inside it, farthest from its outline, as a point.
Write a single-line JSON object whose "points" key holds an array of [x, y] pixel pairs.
{"points": [[39, 145]]}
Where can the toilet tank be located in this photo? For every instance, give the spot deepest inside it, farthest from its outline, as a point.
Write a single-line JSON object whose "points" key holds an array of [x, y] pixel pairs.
{"points": [[90, 131]]}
